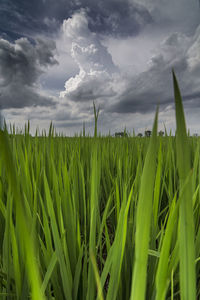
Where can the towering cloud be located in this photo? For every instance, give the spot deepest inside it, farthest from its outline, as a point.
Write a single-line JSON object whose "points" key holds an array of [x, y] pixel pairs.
{"points": [[96, 68]]}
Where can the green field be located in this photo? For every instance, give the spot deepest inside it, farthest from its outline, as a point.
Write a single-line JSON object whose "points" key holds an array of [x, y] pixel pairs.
{"points": [[100, 218]]}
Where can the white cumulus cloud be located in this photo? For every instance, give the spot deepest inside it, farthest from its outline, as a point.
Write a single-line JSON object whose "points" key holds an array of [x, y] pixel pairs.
{"points": [[97, 72]]}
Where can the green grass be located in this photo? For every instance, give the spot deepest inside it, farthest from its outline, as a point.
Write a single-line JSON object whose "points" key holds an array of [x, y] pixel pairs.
{"points": [[101, 217]]}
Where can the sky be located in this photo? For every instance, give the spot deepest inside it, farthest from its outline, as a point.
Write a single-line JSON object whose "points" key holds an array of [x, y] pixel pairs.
{"points": [[57, 57]]}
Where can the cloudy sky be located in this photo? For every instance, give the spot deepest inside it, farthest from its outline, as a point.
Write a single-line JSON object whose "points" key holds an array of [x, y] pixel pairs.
{"points": [[57, 57]]}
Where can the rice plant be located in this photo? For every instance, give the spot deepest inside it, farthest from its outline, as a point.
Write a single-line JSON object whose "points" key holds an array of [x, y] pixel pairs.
{"points": [[107, 218]]}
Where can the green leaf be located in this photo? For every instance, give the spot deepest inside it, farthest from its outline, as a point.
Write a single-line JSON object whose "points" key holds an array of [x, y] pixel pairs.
{"points": [[186, 218]]}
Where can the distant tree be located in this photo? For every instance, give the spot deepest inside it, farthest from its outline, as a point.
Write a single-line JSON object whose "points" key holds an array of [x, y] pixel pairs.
{"points": [[195, 134], [140, 134], [161, 133], [147, 133], [121, 134]]}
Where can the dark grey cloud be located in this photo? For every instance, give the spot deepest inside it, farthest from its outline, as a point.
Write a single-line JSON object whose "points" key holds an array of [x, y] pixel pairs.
{"points": [[19, 18], [155, 87], [16, 96], [86, 93], [131, 103], [119, 18], [134, 101], [10, 35], [145, 103], [180, 14], [21, 64]]}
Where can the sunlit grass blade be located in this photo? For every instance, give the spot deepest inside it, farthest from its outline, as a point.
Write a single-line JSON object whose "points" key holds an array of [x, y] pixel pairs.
{"points": [[119, 247], [157, 188], [143, 219], [48, 274], [162, 271], [63, 262], [186, 221], [95, 179]]}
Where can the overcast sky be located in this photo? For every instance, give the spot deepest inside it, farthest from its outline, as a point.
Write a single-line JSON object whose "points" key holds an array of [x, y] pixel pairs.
{"points": [[57, 57]]}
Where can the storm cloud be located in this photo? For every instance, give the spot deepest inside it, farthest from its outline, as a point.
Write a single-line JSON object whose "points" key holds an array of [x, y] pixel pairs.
{"points": [[21, 64], [154, 86], [119, 18], [119, 53]]}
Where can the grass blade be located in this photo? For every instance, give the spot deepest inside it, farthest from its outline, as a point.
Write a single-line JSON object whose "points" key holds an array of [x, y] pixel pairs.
{"points": [[186, 222], [143, 219]]}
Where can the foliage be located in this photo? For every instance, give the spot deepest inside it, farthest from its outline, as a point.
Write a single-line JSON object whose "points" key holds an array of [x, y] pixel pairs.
{"points": [[106, 218]]}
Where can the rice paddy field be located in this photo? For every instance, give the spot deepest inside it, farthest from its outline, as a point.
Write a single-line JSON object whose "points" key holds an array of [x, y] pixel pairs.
{"points": [[100, 217]]}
